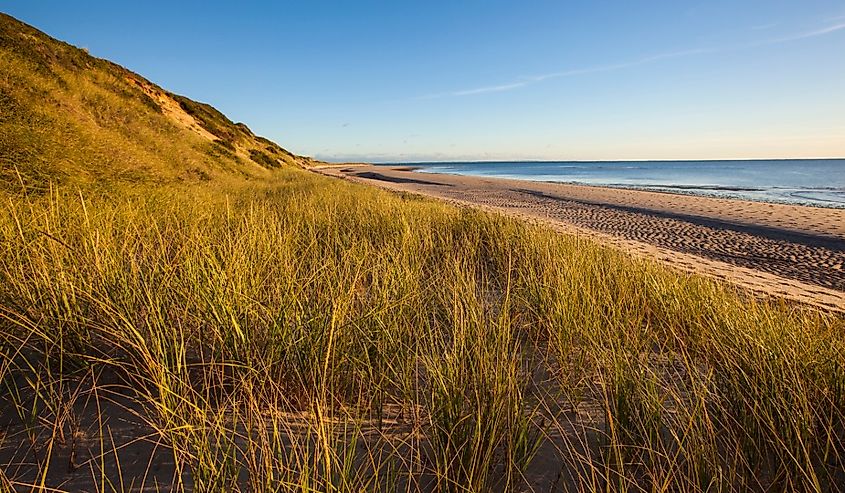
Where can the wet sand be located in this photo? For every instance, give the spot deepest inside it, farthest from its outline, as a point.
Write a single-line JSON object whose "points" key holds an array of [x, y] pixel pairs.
{"points": [[790, 251]]}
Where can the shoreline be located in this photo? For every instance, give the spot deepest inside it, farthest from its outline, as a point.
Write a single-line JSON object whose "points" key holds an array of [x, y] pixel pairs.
{"points": [[668, 189], [729, 192], [795, 252]]}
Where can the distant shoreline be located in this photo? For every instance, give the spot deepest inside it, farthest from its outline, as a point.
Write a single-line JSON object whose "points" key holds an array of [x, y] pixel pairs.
{"points": [[810, 182], [689, 191], [500, 161]]}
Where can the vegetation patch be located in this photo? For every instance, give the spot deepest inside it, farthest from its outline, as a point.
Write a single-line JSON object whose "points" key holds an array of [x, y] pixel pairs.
{"points": [[263, 159], [303, 330]]}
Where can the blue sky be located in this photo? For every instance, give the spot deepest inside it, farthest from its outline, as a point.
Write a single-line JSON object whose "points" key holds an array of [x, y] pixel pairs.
{"points": [[491, 80]]}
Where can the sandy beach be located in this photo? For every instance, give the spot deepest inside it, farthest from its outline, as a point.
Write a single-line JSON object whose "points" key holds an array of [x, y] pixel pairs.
{"points": [[790, 251]]}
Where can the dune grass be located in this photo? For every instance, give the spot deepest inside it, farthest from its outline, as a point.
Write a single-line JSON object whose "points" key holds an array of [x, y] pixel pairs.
{"points": [[68, 117], [306, 334]]}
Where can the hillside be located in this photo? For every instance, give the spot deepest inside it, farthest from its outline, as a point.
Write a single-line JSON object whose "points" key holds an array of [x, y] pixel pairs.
{"points": [[69, 117]]}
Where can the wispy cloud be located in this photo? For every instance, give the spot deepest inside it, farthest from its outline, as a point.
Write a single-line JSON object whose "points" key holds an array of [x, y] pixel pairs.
{"points": [[482, 90], [524, 81], [622, 65], [804, 35], [529, 80]]}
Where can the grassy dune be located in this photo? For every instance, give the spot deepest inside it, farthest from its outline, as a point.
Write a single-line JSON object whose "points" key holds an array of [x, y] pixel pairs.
{"points": [[68, 117], [307, 334]]}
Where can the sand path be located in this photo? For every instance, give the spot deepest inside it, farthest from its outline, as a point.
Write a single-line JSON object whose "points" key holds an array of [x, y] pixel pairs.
{"points": [[795, 252]]}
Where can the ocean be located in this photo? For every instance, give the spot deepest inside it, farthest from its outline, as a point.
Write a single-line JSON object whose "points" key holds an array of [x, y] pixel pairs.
{"points": [[817, 182]]}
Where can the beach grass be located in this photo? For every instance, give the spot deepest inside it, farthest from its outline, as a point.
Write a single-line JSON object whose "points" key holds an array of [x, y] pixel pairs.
{"points": [[300, 333]]}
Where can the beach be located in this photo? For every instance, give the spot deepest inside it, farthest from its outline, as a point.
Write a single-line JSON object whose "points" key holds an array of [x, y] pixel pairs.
{"points": [[794, 252]]}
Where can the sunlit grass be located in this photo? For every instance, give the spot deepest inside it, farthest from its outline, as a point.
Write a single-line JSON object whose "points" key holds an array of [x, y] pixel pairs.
{"points": [[306, 334]]}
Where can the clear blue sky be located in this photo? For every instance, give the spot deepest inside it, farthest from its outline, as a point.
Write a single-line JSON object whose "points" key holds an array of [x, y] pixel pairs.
{"points": [[452, 80]]}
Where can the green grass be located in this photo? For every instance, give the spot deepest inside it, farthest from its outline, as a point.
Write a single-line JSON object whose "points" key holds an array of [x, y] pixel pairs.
{"points": [[301, 333]]}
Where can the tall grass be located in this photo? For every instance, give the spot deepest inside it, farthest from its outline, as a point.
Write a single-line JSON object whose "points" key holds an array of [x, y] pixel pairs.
{"points": [[305, 334], [67, 117]]}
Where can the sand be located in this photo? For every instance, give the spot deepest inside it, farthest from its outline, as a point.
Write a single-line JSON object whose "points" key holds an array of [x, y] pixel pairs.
{"points": [[171, 109], [788, 251]]}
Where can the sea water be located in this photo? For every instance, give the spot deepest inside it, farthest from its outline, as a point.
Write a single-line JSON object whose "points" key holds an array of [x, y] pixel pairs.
{"points": [[818, 182]]}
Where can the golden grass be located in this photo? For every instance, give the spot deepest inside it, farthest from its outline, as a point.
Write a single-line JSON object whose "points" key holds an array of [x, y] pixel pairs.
{"points": [[67, 117], [305, 334]]}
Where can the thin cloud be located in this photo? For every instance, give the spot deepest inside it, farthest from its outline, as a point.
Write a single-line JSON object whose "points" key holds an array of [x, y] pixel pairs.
{"points": [[807, 34], [482, 90], [567, 73], [525, 81], [622, 65]]}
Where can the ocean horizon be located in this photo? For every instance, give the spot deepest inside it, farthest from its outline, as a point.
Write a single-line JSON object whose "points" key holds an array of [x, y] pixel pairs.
{"points": [[815, 182]]}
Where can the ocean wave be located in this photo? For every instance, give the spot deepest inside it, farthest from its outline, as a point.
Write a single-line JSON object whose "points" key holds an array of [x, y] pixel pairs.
{"points": [[725, 188], [833, 197]]}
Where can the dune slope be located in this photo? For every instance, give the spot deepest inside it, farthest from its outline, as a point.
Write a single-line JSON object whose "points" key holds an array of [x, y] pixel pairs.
{"points": [[66, 116]]}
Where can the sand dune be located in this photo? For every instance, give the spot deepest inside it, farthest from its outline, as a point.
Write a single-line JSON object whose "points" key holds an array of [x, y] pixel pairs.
{"points": [[795, 252]]}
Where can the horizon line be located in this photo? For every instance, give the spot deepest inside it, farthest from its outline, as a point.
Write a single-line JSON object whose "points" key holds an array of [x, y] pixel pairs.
{"points": [[647, 160]]}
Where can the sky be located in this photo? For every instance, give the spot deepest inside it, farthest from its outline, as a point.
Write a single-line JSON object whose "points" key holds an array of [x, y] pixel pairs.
{"points": [[398, 81]]}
